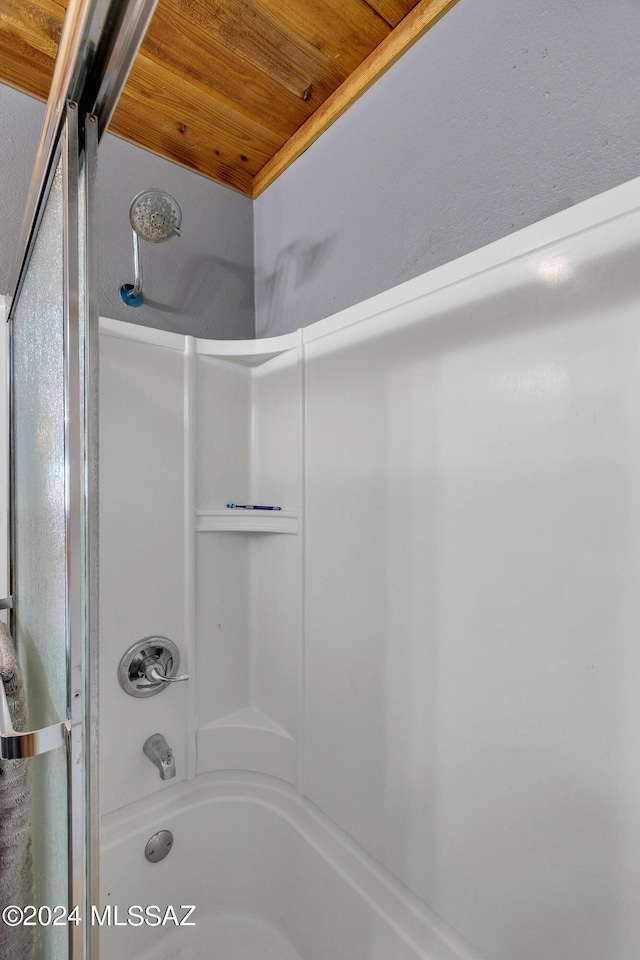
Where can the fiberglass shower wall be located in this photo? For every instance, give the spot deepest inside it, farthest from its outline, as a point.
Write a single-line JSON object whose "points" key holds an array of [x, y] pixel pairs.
{"points": [[184, 431], [436, 641]]}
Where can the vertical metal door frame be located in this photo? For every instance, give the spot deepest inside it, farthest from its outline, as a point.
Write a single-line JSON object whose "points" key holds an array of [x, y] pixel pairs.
{"points": [[76, 585], [80, 365], [80, 152], [99, 42], [89, 403]]}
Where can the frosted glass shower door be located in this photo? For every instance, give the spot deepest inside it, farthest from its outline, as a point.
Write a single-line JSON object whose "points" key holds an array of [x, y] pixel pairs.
{"points": [[51, 548], [39, 556]]}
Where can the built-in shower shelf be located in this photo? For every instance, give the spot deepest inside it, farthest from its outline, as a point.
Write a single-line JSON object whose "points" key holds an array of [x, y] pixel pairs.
{"points": [[247, 740], [249, 718], [250, 521]]}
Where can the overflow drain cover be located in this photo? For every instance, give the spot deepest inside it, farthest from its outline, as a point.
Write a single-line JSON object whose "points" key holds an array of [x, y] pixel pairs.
{"points": [[158, 846]]}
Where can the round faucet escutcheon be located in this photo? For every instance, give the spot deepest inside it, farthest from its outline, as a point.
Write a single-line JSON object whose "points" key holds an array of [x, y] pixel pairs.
{"points": [[150, 666]]}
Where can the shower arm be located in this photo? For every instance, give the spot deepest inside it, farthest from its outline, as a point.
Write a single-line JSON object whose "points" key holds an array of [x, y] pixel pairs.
{"points": [[137, 266]]}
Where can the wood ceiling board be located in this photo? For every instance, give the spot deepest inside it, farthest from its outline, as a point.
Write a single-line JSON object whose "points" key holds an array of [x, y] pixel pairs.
{"points": [[12, 58], [423, 16], [161, 140], [192, 111], [190, 127], [344, 30], [393, 11], [29, 37], [35, 24], [181, 46], [256, 36]]}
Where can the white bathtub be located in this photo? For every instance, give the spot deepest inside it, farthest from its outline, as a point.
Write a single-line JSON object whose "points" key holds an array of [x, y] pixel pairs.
{"points": [[270, 877]]}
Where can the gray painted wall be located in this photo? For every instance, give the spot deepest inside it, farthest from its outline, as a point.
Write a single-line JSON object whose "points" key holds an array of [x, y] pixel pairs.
{"points": [[505, 112], [200, 284]]}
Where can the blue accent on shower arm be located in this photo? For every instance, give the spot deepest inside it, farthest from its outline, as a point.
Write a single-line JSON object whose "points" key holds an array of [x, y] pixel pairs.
{"points": [[129, 297]]}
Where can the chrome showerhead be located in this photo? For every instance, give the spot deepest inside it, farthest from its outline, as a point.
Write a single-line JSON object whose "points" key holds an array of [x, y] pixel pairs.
{"points": [[155, 216]]}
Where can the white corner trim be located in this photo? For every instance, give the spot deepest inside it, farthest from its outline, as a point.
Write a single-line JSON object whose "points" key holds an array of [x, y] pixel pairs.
{"points": [[135, 331], [248, 352]]}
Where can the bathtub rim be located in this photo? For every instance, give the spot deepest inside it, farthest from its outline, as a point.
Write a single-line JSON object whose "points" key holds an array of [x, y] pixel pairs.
{"points": [[431, 937]]}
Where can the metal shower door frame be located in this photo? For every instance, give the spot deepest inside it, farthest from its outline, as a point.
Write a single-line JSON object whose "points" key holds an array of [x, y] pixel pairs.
{"points": [[80, 148], [77, 148], [99, 42]]}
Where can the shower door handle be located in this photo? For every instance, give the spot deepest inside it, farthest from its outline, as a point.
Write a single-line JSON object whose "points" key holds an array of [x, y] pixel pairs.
{"points": [[16, 744], [19, 744]]}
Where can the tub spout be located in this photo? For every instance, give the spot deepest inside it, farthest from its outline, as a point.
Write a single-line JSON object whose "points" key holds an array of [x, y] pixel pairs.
{"points": [[161, 755]]}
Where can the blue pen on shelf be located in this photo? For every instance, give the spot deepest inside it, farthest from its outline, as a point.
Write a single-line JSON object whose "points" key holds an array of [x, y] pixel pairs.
{"points": [[249, 506]]}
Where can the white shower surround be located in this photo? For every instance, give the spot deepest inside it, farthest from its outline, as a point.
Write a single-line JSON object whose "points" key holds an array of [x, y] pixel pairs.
{"points": [[434, 642]]}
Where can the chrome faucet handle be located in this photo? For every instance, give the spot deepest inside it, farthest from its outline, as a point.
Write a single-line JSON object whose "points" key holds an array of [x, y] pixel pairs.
{"points": [[153, 673], [152, 669], [149, 666]]}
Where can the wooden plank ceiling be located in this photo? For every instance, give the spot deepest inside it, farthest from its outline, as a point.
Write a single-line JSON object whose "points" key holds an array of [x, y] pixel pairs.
{"points": [[232, 89]]}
